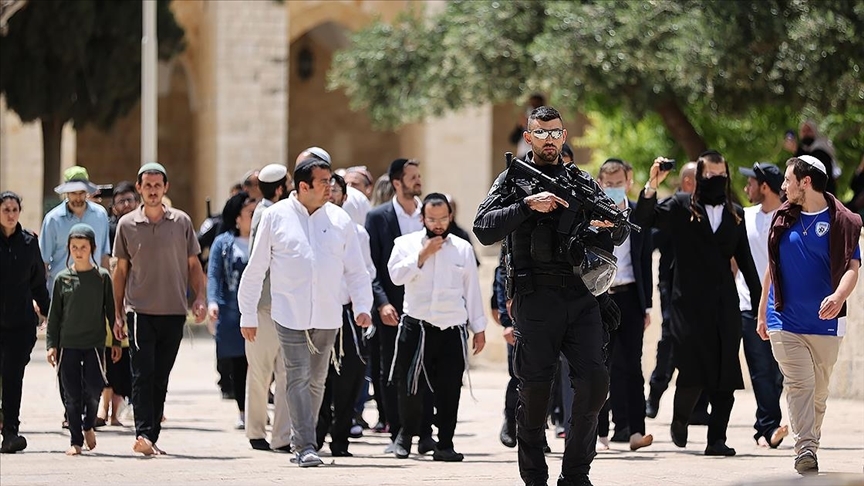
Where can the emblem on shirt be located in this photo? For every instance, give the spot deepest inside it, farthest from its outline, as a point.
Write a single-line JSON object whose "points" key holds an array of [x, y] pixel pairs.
{"points": [[822, 228]]}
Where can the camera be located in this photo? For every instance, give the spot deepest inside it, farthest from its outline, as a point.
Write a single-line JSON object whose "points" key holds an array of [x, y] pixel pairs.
{"points": [[105, 191], [667, 165]]}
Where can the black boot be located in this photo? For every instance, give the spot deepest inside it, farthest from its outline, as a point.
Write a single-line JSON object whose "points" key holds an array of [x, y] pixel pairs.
{"points": [[508, 434]]}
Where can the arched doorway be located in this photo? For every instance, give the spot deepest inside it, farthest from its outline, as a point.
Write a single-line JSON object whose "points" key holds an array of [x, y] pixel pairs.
{"points": [[320, 117]]}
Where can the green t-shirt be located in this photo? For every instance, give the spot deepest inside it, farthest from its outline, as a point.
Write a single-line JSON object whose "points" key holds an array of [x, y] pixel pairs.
{"points": [[81, 305]]}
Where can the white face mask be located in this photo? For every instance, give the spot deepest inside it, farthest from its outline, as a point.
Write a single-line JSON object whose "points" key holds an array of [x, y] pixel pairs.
{"points": [[617, 194]]}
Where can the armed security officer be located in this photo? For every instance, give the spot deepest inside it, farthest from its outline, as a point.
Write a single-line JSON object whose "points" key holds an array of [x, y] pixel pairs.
{"points": [[553, 309]]}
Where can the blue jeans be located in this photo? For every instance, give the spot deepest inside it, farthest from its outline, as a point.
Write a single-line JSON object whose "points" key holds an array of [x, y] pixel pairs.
{"points": [[765, 376], [306, 375]]}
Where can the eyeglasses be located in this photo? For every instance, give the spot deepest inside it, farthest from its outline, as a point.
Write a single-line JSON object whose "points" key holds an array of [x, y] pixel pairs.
{"points": [[437, 220], [542, 134]]}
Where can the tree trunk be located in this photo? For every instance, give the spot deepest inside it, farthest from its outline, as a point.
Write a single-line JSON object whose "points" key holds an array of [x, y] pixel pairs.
{"points": [[52, 137], [679, 126]]}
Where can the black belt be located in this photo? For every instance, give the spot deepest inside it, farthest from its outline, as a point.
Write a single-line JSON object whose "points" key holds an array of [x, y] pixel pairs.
{"points": [[622, 288], [426, 324], [568, 281]]}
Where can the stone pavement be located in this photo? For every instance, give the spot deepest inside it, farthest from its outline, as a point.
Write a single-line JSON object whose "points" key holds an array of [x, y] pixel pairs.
{"points": [[205, 449]]}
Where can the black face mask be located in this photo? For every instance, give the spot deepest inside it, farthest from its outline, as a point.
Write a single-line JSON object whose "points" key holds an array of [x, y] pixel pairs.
{"points": [[712, 191], [807, 141], [430, 234]]}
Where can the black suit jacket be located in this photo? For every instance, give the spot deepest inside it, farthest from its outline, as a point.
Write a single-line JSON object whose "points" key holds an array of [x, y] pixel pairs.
{"points": [[383, 228], [641, 248]]}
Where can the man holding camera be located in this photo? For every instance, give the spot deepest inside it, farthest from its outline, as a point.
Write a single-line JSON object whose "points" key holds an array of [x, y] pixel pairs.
{"points": [[553, 309]]}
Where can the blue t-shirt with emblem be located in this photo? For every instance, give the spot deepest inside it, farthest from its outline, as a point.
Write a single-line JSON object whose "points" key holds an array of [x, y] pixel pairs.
{"points": [[805, 274]]}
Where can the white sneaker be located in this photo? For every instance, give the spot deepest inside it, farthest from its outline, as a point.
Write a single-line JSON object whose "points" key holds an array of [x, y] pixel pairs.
{"points": [[241, 422], [309, 458], [390, 448]]}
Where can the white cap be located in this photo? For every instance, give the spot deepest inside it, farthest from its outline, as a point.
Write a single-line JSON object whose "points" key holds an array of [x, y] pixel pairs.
{"points": [[319, 153], [272, 173], [814, 162]]}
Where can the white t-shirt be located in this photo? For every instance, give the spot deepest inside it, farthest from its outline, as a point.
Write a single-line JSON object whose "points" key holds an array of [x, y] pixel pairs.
{"points": [[758, 225]]}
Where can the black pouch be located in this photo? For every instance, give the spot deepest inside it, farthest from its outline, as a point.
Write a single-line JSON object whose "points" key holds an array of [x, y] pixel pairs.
{"points": [[543, 239], [523, 282]]}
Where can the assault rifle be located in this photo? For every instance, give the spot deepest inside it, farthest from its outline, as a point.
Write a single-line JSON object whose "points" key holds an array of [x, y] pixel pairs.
{"points": [[580, 194]]}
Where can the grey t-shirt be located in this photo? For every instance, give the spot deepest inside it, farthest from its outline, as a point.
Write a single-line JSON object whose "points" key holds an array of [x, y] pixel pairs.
{"points": [[158, 255], [265, 300]]}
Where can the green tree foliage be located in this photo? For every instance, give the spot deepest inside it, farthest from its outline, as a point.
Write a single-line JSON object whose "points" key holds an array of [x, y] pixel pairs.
{"points": [[688, 61], [80, 61]]}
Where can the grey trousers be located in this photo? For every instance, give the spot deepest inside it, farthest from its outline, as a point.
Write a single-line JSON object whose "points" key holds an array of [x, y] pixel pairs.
{"points": [[306, 372]]}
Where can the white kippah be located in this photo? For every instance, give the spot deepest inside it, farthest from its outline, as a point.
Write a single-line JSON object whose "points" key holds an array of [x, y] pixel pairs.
{"points": [[813, 161], [272, 173]]}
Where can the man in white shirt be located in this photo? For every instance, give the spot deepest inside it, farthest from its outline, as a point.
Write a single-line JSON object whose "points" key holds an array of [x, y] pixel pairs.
{"points": [[763, 189], [345, 378], [307, 244], [264, 353], [442, 295]]}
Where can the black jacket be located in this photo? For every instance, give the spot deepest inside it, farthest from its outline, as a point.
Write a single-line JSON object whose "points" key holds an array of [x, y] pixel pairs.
{"points": [[706, 320], [383, 228], [22, 280], [641, 257]]}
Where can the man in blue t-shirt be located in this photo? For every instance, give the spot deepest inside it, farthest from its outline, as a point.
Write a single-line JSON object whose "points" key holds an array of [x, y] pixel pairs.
{"points": [[813, 263]]}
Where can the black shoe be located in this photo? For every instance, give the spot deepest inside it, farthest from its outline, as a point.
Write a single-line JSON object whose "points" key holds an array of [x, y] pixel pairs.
{"points": [[259, 444], [651, 408], [402, 446], [508, 434], [806, 463], [678, 430], [286, 448], [578, 480], [358, 420], [719, 448], [700, 418], [447, 455], [227, 395], [622, 435], [341, 453], [426, 444], [12, 444]]}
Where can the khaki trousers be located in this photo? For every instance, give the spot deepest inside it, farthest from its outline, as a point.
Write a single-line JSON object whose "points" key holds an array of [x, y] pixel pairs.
{"points": [[806, 361], [265, 358]]}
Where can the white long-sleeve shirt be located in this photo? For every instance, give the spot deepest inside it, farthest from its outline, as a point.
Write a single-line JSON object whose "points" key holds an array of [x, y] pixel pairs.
{"points": [[308, 257], [446, 291], [363, 239]]}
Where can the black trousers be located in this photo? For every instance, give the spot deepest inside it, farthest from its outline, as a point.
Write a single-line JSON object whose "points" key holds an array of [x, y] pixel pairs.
{"points": [[444, 362], [548, 321], [83, 376], [662, 374], [343, 387], [155, 341], [721, 402], [239, 366], [626, 383], [511, 396], [390, 394], [15, 348], [375, 375], [119, 374]]}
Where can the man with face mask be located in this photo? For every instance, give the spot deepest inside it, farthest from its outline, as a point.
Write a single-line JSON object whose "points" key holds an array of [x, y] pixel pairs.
{"points": [[631, 290], [707, 231], [442, 298]]}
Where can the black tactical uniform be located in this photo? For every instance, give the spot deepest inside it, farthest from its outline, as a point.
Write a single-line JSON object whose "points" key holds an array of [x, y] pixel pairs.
{"points": [[553, 312]]}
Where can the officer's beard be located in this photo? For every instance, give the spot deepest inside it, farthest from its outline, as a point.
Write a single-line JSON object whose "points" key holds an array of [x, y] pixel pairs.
{"points": [[548, 157]]}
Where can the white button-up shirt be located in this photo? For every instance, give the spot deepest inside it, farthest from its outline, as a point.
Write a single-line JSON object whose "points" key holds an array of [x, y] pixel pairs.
{"points": [[446, 291], [408, 223], [308, 256], [356, 205], [363, 239]]}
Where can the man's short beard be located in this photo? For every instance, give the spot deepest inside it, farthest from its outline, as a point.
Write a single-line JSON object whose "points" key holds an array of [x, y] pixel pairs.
{"points": [[546, 158]]}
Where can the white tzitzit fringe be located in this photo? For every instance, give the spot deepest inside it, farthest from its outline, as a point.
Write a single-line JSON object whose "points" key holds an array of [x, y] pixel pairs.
{"points": [[463, 335]]}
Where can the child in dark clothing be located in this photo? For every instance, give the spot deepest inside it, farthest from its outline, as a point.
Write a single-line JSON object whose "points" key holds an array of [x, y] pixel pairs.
{"points": [[83, 300]]}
